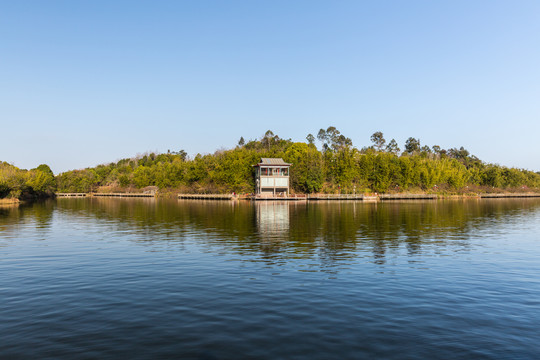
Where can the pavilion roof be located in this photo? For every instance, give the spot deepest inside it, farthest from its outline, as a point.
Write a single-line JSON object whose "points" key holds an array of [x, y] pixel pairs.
{"points": [[272, 162]]}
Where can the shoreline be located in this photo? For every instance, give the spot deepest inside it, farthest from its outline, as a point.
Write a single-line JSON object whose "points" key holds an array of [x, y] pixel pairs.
{"points": [[302, 197]]}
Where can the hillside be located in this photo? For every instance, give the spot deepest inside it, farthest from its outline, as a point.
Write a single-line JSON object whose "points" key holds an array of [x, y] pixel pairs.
{"points": [[337, 167]]}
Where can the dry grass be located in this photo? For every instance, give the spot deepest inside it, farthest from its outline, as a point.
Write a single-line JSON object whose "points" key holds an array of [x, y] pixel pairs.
{"points": [[9, 202]]}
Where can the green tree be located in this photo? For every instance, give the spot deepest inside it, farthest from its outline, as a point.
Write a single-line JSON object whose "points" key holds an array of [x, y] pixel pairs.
{"points": [[378, 140], [307, 171], [412, 145], [41, 182], [143, 176], [393, 147], [332, 139]]}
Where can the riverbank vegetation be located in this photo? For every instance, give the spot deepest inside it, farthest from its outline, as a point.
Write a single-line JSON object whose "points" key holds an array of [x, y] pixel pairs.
{"points": [[17, 183], [335, 166]]}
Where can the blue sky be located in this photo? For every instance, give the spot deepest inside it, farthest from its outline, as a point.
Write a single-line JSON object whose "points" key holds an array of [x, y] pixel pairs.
{"points": [[90, 82]]}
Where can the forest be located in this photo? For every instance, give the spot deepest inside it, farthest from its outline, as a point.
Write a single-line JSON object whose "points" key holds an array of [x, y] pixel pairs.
{"points": [[325, 163], [26, 184]]}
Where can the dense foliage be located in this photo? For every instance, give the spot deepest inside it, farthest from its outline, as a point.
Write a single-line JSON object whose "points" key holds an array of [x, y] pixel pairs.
{"points": [[18, 183], [337, 167]]}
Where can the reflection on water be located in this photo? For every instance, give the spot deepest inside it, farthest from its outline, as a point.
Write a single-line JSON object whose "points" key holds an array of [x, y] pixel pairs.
{"points": [[328, 231], [272, 219], [150, 278]]}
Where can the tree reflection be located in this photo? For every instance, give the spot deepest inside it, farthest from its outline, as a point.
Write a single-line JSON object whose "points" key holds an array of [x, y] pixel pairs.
{"points": [[329, 232]]}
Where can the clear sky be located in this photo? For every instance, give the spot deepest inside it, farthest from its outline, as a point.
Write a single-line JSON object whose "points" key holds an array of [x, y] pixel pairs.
{"points": [[90, 82]]}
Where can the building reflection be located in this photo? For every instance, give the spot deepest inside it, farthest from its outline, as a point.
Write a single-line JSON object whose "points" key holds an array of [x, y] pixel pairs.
{"points": [[272, 219]]}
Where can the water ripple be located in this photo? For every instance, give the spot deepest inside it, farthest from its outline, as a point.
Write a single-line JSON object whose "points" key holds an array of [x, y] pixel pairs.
{"points": [[101, 278]]}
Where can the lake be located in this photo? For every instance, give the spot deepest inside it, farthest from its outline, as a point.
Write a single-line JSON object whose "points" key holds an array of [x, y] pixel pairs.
{"points": [[146, 278]]}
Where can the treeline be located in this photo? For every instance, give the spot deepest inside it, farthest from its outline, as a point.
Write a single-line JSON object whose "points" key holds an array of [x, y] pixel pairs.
{"points": [[337, 167], [26, 184]]}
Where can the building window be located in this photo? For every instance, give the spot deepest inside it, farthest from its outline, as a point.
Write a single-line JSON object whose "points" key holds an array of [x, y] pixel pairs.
{"points": [[264, 171], [284, 171], [275, 171]]}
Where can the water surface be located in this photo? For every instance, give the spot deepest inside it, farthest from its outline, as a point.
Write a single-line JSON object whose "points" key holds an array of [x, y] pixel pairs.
{"points": [[146, 278]]}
